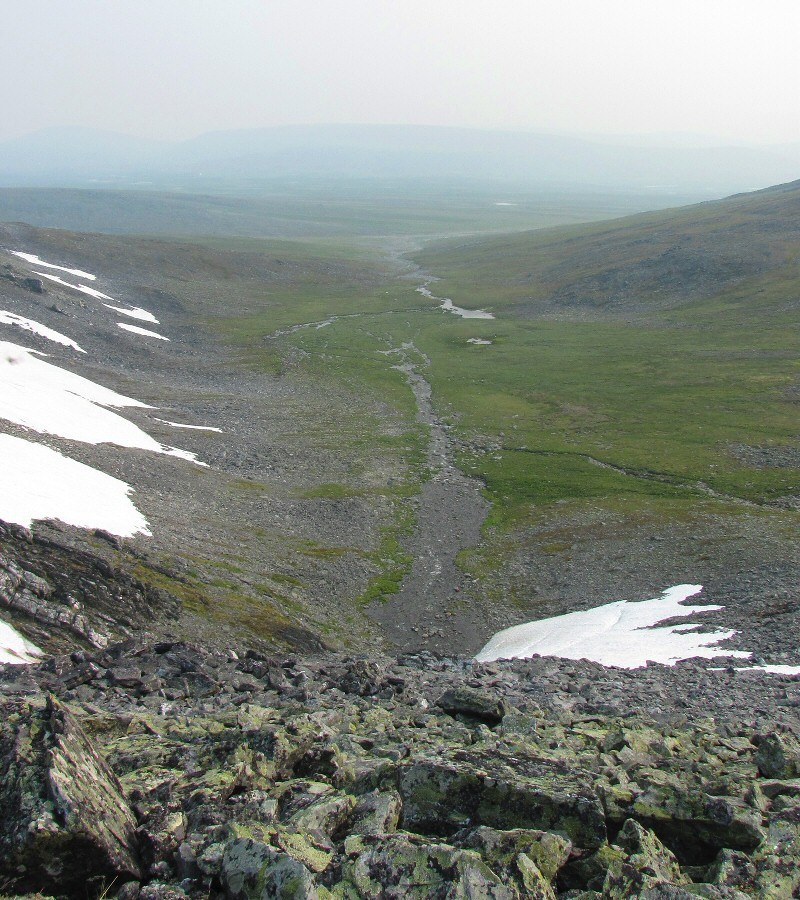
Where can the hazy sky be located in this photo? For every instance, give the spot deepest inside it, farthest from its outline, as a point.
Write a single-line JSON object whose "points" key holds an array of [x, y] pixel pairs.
{"points": [[175, 68]]}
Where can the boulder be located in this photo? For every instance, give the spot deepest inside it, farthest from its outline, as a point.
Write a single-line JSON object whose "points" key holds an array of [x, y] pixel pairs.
{"points": [[63, 811], [694, 825], [647, 867], [391, 867], [776, 759], [472, 704], [501, 849], [377, 812], [252, 870], [441, 797]]}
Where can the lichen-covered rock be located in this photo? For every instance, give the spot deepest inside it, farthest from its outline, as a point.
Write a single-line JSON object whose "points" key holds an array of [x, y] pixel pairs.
{"points": [[377, 812], [647, 865], [535, 885], [288, 879], [773, 871], [252, 870], [63, 812], [589, 871], [440, 797], [289, 786], [401, 867], [364, 677], [501, 849], [777, 759], [692, 823], [474, 704], [324, 816]]}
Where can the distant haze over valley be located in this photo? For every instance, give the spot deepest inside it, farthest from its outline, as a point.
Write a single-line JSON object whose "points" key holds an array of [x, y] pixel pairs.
{"points": [[84, 157]]}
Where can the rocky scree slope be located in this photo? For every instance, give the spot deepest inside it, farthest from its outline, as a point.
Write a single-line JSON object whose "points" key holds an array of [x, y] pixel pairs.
{"points": [[165, 770], [249, 544]]}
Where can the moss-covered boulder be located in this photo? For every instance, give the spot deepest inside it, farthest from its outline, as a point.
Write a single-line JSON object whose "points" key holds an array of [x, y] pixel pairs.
{"points": [[479, 706], [645, 866], [404, 867], [502, 849], [252, 870], [63, 812], [777, 757], [440, 797], [694, 824]]}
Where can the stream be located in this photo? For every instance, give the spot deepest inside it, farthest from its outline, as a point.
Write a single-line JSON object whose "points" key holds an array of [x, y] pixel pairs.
{"points": [[432, 609]]}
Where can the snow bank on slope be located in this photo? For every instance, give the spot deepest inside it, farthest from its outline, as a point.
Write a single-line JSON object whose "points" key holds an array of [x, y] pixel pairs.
{"points": [[136, 330], [98, 295], [39, 483], [617, 634], [10, 318], [34, 260], [51, 400], [191, 427], [135, 312], [14, 648]]}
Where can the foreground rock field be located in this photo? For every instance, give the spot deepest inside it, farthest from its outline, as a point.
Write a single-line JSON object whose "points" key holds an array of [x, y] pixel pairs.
{"points": [[164, 770]]}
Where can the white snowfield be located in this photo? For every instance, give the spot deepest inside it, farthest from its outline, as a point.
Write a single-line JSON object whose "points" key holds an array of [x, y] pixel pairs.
{"points": [[773, 669], [35, 261], [617, 634], [137, 330], [10, 318], [135, 312], [98, 295], [45, 398], [14, 648], [39, 483]]}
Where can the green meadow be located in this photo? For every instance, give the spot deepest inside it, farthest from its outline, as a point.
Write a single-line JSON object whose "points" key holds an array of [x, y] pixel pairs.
{"points": [[645, 399]]}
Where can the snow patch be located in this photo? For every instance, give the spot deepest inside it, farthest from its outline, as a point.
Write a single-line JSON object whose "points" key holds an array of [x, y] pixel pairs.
{"points": [[45, 398], [14, 648], [39, 483], [772, 669], [136, 312], [617, 634], [481, 341], [136, 330], [447, 304], [10, 318], [98, 295], [193, 427], [35, 261]]}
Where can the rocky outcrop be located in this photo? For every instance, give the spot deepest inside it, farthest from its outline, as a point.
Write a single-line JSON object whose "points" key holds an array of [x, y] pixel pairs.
{"points": [[168, 771], [63, 595], [26, 282]]}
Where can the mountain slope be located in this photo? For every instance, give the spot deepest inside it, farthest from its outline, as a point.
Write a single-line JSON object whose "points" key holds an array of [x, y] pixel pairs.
{"points": [[632, 265]]}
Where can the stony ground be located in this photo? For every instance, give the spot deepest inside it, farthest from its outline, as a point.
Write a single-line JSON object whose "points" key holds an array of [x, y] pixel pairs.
{"points": [[163, 771]]}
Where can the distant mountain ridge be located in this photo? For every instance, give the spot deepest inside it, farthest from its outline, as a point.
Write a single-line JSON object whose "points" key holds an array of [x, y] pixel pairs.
{"points": [[77, 155]]}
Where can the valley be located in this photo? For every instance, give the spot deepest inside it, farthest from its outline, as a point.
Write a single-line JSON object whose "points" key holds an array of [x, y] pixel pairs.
{"points": [[377, 468], [276, 513]]}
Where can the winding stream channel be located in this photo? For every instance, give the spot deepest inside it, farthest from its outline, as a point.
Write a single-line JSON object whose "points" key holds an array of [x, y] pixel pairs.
{"points": [[426, 612]]}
